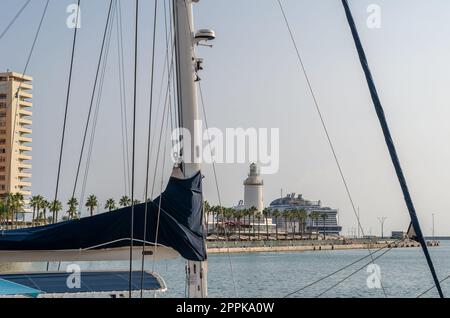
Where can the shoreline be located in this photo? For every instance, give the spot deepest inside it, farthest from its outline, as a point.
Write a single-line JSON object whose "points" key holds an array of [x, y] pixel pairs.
{"points": [[301, 246]]}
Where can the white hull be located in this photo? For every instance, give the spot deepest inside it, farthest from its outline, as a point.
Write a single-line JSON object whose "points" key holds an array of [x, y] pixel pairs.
{"points": [[113, 254]]}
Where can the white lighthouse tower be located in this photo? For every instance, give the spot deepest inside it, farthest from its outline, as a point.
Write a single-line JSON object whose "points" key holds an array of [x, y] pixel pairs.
{"points": [[253, 192]]}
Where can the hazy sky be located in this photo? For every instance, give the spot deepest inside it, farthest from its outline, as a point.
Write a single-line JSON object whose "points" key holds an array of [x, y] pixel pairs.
{"points": [[252, 79]]}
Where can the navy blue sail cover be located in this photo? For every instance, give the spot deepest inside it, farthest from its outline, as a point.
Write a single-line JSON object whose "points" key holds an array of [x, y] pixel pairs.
{"points": [[180, 226]]}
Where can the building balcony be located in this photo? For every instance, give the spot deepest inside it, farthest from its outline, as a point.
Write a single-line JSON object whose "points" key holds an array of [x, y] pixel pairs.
{"points": [[24, 175], [24, 121], [25, 103], [25, 148], [25, 112], [25, 192], [26, 86], [23, 165], [24, 130], [26, 95], [22, 156], [23, 183], [25, 139]]}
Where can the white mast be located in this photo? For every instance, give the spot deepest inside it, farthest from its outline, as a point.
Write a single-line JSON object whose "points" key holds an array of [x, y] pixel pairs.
{"points": [[187, 66]]}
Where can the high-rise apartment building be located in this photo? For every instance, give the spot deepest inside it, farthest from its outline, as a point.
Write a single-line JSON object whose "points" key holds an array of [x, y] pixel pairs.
{"points": [[15, 133]]}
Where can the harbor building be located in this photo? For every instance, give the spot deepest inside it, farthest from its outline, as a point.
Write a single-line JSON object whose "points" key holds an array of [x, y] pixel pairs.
{"points": [[15, 133], [325, 222]]}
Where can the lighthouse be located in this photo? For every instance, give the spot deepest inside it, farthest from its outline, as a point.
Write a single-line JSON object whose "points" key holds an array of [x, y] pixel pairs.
{"points": [[253, 189]]}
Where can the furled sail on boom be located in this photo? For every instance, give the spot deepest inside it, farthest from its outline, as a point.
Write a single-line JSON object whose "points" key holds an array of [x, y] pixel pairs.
{"points": [[107, 236]]}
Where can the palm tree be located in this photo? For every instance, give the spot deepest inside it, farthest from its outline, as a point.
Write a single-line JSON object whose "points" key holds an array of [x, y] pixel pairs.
{"points": [[73, 207], [3, 212], [91, 203], [34, 203], [266, 213], [239, 214], [315, 218], [253, 211], [125, 201], [258, 218], [214, 210], [44, 206], [286, 219], [324, 217], [15, 204], [55, 208], [207, 211], [110, 205], [302, 216], [276, 214], [292, 215]]}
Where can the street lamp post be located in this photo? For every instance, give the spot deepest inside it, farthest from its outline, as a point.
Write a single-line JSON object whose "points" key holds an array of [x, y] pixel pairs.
{"points": [[382, 220], [433, 226]]}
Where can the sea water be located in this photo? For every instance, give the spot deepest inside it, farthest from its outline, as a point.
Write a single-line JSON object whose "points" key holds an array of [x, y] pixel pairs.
{"points": [[402, 272]]}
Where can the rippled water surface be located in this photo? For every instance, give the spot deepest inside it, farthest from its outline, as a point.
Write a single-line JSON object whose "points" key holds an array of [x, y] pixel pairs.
{"points": [[404, 273]]}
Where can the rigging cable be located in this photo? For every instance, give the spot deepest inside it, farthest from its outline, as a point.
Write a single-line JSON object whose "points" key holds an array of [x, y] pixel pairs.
{"points": [[67, 101], [10, 24], [123, 101], [160, 200], [25, 70], [97, 110], [155, 20], [92, 96], [217, 186], [358, 270], [336, 272], [433, 287], [213, 164], [133, 156], [324, 126], [390, 144]]}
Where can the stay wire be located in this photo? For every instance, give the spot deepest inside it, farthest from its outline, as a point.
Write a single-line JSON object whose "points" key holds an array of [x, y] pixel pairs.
{"points": [[357, 271], [217, 187], [94, 89], [123, 92], [133, 157], [155, 20], [10, 24], [96, 113], [69, 85], [25, 70], [324, 126], [335, 272], [433, 287]]}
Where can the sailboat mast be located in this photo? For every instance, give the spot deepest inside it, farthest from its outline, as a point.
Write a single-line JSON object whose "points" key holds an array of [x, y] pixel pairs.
{"points": [[186, 65], [186, 78]]}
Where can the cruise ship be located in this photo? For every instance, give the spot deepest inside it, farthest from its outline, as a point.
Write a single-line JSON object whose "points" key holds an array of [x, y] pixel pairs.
{"points": [[328, 225]]}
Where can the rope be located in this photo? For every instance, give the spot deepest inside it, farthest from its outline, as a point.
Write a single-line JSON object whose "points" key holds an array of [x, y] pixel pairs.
{"points": [[335, 272], [160, 202], [148, 143], [14, 19], [217, 188], [36, 36], [67, 104], [134, 144], [95, 119], [433, 287], [390, 144], [322, 120], [353, 273], [92, 97], [123, 101]]}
